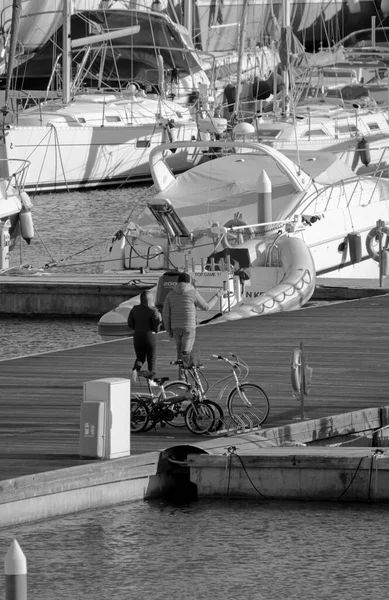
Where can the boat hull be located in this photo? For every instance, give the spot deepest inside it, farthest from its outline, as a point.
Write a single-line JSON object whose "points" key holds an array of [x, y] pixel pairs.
{"points": [[63, 158]]}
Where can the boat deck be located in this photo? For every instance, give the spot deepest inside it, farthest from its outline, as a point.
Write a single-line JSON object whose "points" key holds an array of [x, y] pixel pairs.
{"points": [[346, 344]]}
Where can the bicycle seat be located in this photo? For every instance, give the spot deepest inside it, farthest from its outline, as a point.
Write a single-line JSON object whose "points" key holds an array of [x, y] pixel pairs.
{"points": [[161, 380]]}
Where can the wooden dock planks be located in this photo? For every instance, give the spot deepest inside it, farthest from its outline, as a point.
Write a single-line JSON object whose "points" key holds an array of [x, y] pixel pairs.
{"points": [[346, 344]]}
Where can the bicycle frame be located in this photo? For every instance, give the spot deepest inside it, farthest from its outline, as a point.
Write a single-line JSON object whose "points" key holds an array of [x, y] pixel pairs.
{"points": [[157, 397], [191, 375]]}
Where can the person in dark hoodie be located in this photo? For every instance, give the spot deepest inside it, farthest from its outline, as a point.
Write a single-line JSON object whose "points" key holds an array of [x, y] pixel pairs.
{"points": [[145, 320], [179, 314]]}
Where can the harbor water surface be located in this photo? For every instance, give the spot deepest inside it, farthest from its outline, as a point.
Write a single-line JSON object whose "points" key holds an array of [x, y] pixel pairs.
{"points": [[72, 234], [206, 550], [209, 550]]}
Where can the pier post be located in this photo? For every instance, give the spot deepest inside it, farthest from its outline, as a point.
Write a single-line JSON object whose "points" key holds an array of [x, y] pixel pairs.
{"points": [[380, 224], [15, 571]]}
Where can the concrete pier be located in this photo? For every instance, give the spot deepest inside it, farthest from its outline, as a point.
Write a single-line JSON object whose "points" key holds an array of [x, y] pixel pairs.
{"points": [[83, 295], [89, 295]]}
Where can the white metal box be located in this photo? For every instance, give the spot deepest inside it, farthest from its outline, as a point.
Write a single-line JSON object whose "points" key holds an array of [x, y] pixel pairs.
{"points": [[92, 429], [115, 393]]}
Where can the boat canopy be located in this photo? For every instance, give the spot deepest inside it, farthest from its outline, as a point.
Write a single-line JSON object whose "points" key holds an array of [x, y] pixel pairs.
{"points": [[325, 168], [127, 58]]}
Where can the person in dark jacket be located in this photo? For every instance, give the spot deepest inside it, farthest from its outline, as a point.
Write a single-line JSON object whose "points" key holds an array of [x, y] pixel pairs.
{"points": [[145, 320], [179, 314]]}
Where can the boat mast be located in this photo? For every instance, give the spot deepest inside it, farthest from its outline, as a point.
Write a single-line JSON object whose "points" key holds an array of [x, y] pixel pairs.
{"points": [[66, 51], [16, 12], [285, 39], [242, 39], [188, 17]]}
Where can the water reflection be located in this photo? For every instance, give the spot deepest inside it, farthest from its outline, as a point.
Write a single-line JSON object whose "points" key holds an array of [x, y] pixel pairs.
{"points": [[221, 550]]}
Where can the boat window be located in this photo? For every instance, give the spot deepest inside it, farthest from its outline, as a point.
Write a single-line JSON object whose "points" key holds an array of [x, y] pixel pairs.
{"points": [[143, 143], [81, 120], [373, 126], [112, 119], [346, 128], [269, 133], [314, 132], [333, 93], [334, 74]]}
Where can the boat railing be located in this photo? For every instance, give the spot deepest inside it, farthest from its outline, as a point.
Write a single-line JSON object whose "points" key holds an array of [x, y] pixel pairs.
{"points": [[15, 178], [327, 191]]}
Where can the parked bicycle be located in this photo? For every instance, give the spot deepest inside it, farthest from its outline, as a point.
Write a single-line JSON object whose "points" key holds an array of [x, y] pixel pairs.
{"points": [[173, 404], [247, 403]]}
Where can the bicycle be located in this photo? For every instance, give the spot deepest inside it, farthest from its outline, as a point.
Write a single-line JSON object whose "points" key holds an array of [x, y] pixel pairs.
{"points": [[195, 382], [247, 403], [178, 407]]}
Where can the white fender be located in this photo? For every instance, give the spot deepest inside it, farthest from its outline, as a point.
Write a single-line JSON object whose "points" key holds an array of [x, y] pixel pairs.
{"points": [[370, 238], [26, 225]]}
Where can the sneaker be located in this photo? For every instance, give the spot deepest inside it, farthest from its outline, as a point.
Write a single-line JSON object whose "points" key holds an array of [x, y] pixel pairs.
{"points": [[134, 377]]}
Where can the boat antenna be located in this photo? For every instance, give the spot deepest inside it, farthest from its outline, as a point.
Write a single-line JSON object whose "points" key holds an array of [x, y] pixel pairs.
{"points": [[285, 48], [66, 51], [242, 40]]}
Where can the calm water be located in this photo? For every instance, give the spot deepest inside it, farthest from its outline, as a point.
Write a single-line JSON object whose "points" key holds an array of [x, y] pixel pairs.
{"points": [[209, 550], [72, 230]]}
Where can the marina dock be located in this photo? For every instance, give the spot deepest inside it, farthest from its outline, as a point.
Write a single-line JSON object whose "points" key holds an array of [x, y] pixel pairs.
{"points": [[78, 294], [91, 295], [346, 344]]}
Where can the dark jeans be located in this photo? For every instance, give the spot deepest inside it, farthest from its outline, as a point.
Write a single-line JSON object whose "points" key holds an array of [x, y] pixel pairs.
{"points": [[145, 346], [185, 339]]}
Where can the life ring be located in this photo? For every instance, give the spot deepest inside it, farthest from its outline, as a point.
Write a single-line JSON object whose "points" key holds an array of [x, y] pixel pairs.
{"points": [[246, 233], [370, 239], [295, 370]]}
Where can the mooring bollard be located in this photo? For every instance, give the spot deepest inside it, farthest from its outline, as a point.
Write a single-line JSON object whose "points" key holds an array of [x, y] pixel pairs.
{"points": [[15, 571]]}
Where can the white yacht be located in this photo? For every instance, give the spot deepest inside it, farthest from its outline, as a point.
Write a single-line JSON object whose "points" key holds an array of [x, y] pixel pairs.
{"points": [[257, 223]]}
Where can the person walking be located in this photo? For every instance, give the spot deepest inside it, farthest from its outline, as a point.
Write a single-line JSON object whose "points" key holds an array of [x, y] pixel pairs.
{"points": [[179, 314], [145, 320]]}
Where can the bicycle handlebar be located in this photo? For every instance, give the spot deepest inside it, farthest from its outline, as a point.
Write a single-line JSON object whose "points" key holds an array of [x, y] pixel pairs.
{"points": [[227, 360]]}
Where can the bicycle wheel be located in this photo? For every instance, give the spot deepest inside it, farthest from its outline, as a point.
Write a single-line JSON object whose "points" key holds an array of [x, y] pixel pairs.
{"points": [[250, 402], [219, 414], [139, 415], [174, 393], [200, 417]]}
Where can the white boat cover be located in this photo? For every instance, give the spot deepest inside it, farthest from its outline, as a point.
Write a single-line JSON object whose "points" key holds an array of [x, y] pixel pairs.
{"points": [[231, 183]]}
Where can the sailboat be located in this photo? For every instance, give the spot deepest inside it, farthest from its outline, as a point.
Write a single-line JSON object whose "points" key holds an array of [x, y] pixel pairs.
{"points": [[261, 224], [346, 121], [96, 136]]}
